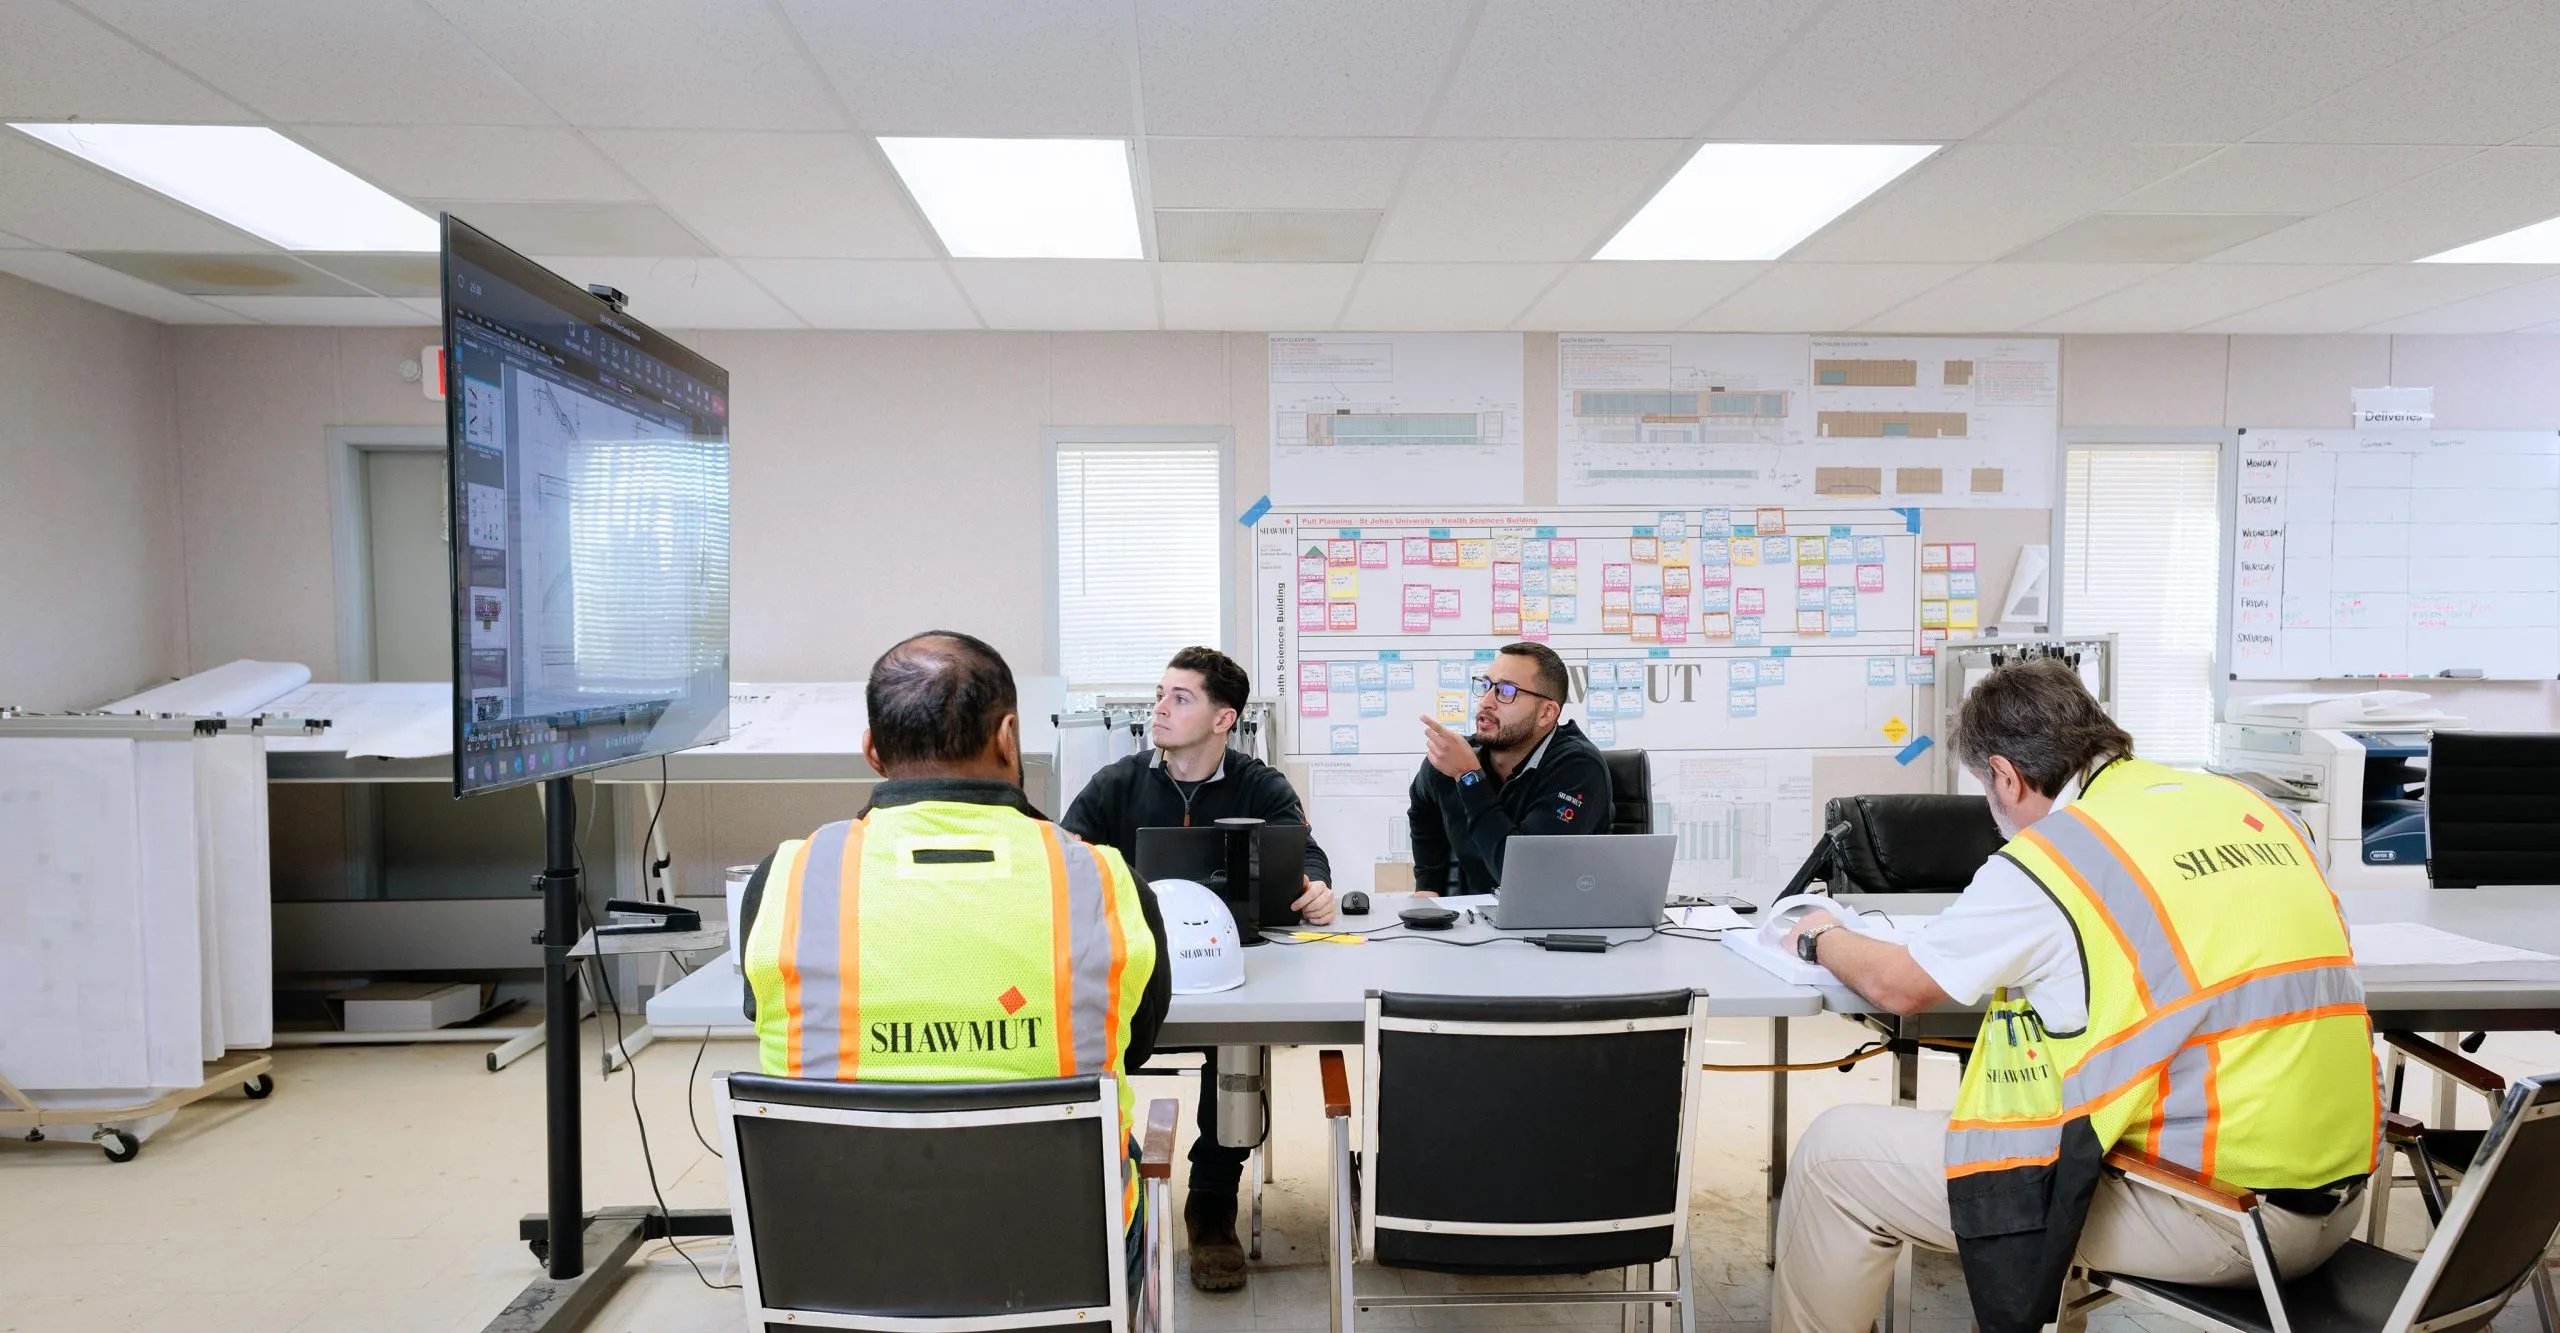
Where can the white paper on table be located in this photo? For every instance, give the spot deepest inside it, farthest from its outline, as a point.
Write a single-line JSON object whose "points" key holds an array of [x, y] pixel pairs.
{"points": [[2405, 951], [390, 718], [234, 689], [1711, 917], [1767, 946]]}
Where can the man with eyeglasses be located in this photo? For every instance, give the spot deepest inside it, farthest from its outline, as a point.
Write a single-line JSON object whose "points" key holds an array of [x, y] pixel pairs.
{"points": [[1527, 771]]}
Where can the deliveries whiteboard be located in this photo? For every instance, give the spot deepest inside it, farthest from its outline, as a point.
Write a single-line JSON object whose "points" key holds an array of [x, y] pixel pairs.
{"points": [[2363, 553]]}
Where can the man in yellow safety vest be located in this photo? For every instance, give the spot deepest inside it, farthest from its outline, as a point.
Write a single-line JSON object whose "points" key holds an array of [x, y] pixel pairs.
{"points": [[2166, 971], [952, 934]]}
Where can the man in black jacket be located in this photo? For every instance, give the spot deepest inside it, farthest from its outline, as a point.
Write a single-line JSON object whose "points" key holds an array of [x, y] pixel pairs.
{"points": [[1525, 773], [1189, 780]]}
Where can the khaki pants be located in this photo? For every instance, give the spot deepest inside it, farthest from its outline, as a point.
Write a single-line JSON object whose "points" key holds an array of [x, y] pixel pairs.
{"points": [[1865, 1180]]}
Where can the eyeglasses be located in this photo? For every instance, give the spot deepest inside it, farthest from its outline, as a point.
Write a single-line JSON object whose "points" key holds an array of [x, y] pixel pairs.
{"points": [[1506, 691]]}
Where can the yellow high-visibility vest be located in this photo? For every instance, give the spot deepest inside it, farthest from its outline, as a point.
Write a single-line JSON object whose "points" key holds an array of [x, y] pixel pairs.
{"points": [[948, 942], [2226, 1028]]}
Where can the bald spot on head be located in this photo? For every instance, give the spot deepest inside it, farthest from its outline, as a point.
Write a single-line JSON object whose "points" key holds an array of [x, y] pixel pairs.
{"points": [[938, 703]]}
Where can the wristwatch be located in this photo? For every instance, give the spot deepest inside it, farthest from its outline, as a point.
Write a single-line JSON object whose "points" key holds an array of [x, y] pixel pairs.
{"points": [[1806, 949], [1471, 777]]}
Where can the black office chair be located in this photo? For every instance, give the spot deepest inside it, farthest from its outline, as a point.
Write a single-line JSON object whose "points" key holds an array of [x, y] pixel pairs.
{"points": [[1630, 791], [1901, 843], [1580, 1113], [2493, 809], [957, 1206], [2490, 1244]]}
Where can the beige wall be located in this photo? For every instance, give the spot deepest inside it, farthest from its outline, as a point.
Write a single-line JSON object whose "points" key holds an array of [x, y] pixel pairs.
{"points": [[885, 482], [90, 581]]}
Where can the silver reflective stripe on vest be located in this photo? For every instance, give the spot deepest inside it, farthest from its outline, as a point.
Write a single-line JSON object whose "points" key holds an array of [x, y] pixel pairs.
{"points": [[1966, 1147], [1088, 953], [2076, 842], [2263, 998], [816, 953], [2184, 1109]]}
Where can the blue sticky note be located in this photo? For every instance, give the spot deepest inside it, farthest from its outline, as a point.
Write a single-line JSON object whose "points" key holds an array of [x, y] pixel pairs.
{"points": [[1844, 623], [1773, 670], [1840, 550], [1871, 550], [1399, 675], [1742, 673], [1562, 609], [1453, 673], [1777, 551], [1343, 676], [1746, 631], [1811, 599], [1373, 703], [1919, 671], [1742, 703], [1962, 583], [1715, 523], [1919, 746], [1843, 599], [1253, 513], [1882, 671], [1533, 554], [1715, 597], [1631, 701], [1648, 598], [1346, 740], [1601, 703], [1603, 676], [1373, 675], [1604, 733]]}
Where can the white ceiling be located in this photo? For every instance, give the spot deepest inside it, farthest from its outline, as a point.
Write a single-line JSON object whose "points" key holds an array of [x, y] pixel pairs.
{"points": [[716, 161]]}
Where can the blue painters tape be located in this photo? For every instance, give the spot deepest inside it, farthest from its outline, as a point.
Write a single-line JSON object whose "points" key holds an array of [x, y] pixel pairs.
{"points": [[1910, 521], [1254, 514], [1919, 746]]}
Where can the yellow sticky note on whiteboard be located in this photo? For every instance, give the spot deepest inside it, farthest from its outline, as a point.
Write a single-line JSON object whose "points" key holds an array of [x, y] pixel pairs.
{"points": [[1453, 707]]}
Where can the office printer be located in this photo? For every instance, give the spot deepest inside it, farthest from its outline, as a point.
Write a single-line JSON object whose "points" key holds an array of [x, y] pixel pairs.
{"points": [[2351, 766]]}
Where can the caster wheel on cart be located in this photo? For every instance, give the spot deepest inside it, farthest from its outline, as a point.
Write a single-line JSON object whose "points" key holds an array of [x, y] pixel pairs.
{"points": [[259, 1088], [120, 1146]]}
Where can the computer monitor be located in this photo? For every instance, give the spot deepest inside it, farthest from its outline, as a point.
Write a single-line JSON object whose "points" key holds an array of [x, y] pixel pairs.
{"points": [[589, 526], [1277, 865]]}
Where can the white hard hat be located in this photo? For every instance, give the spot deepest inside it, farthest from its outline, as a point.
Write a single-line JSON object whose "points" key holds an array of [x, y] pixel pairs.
{"points": [[1201, 934]]}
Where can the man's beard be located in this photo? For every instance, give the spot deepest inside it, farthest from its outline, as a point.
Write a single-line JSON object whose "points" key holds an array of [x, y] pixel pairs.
{"points": [[1506, 737]]}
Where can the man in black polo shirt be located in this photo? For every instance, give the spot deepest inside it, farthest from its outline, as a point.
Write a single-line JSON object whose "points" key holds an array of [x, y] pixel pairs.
{"points": [[1527, 771]]}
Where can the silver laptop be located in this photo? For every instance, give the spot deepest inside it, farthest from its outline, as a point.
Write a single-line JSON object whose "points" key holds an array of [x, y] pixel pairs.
{"points": [[1578, 881]]}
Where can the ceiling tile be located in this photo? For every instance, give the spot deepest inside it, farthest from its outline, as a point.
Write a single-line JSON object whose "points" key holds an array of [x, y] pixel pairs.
{"points": [[1060, 293], [1821, 298], [1916, 70], [2487, 84], [381, 62], [1254, 296], [575, 228], [60, 65], [2148, 238], [866, 293], [471, 161], [1446, 296], [2522, 306], [2477, 197], [2288, 178], [680, 293], [9, 242], [1997, 298], [989, 67], [329, 310], [2192, 294], [1980, 201], [1639, 69], [91, 282], [2375, 296], [1275, 173], [1319, 67], [814, 196], [659, 64], [63, 203], [1635, 297], [1517, 200], [394, 275], [2209, 71], [260, 274]]}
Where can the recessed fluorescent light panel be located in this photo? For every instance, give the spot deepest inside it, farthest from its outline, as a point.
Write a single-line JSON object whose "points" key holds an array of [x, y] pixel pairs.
{"points": [[1023, 198], [1758, 200], [253, 178], [2537, 244]]}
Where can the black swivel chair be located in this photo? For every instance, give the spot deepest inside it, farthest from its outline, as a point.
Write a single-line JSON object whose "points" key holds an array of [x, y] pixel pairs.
{"points": [[2493, 809], [1630, 791], [1582, 1113], [1900, 844], [2490, 1245], [942, 1206]]}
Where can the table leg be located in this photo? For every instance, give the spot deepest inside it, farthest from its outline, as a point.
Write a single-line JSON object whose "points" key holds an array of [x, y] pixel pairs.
{"points": [[2445, 1110], [1777, 1130], [1906, 1069]]}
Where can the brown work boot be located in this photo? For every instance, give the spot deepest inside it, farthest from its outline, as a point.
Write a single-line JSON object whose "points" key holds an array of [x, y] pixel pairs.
{"points": [[1217, 1258]]}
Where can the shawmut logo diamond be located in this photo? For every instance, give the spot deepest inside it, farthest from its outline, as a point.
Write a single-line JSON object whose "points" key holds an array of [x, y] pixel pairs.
{"points": [[1012, 1000]]}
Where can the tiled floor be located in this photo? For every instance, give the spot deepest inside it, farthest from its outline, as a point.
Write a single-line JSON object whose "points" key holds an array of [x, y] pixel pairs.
{"points": [[378, 1192]]}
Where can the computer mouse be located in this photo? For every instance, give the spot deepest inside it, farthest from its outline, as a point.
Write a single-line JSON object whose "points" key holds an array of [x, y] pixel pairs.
{"points": [[1355, 903]]}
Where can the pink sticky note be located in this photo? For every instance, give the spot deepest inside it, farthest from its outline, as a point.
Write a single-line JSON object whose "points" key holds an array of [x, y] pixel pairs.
{"points": [[1506, 576], [1313, 703], [1617, 576], [1674, 629], [1444, 554], [1871, 578], [1417, 621], [1960, 555], [1417, 596], [1750, 601], [1675, 578], [1342, 615], [1675, 606], [1444, 602], [1716, 576], [1417, 550], [1311, 616], [1534, 628], [1561, 552], [1311, 590], [1342, 551], [1506, 599], [1311, 675], [1373, 555], [1311, 566]]}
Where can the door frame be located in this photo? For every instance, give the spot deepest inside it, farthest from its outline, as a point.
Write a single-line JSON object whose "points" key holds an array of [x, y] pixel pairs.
{"points": [[351, 531]]}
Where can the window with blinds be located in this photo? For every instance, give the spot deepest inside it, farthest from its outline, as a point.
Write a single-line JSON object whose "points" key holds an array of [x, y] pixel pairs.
{"points": [[2142, 558], [1138, 559]]}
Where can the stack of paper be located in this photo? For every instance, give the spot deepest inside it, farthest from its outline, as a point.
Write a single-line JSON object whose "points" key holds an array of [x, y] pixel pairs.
{"points": [[2404, 951], [1767, 946]]}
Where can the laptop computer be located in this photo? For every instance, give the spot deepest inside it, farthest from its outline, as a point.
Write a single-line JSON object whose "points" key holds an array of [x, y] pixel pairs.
{"points": [[1580, 882], [1199, 854]]}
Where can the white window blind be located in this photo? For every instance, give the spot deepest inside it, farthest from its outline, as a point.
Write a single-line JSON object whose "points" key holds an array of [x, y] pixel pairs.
{"points": [[1138, 559], [2142, 558]]}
